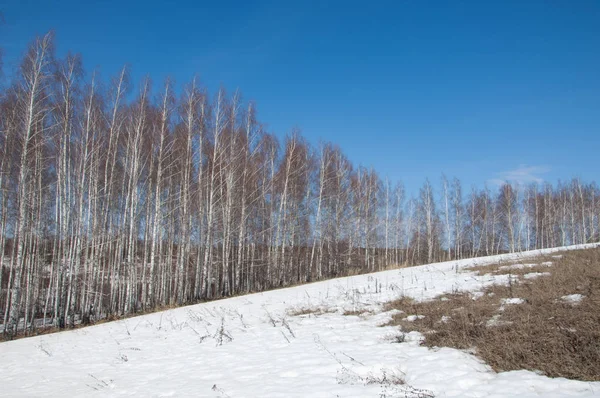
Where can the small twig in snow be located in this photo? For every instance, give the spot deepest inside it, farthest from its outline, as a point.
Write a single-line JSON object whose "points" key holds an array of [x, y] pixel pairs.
{"points": [[220, 390], [353, 359], [287, 326]]}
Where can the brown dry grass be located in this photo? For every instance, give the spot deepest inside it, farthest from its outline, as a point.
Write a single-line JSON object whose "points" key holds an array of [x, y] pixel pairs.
{"points": [[49, 329], [314, 311], [354, 312], [545, 333], [517, 267]]}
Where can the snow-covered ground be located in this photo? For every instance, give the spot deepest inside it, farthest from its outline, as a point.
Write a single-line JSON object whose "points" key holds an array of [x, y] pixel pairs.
{"points": [[252, 346]]}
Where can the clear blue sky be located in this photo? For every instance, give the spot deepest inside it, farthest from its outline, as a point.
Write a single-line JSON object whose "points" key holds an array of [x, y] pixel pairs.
{"points": [[481, 90]]}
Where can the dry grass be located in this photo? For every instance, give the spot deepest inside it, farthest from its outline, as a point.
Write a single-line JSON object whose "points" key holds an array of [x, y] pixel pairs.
{"points": [[310, 311], [49, 329], [545, 332], [541, 264], [354, 312]]}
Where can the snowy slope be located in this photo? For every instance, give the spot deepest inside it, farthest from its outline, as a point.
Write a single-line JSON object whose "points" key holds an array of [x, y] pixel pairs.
{"points": [[251, 346]]}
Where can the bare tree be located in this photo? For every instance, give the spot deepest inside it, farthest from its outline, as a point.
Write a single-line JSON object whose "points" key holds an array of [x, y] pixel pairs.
{"points": [[109, 205], [34, 78]]}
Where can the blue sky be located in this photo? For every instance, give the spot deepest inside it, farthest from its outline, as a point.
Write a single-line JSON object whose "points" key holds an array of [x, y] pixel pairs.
{"points": [[480, 90]]}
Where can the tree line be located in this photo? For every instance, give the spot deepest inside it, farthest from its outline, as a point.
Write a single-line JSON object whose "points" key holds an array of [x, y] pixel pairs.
{"points": [[114, 202]]}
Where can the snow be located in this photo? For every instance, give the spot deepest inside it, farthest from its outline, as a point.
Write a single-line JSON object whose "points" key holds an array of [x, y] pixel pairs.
{"points": [[513, 300], [509, 301], [251, 346], [522, 266], [515, 266], [412, 318], [496, 321], [573, 298], [533, 275]]}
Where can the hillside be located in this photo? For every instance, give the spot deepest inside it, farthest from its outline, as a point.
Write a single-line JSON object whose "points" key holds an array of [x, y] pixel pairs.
{"points": [[319, 340]]}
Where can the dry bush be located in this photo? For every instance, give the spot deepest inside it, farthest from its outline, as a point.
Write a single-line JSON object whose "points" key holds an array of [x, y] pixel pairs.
{"points": [[545, 333]]}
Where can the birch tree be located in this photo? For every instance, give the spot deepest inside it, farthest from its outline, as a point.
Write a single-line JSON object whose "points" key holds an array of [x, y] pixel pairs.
{"points": [[34, 78]]}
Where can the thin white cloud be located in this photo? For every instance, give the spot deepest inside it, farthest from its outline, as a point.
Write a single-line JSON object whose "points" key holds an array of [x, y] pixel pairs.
{"points": [[522, 175]]}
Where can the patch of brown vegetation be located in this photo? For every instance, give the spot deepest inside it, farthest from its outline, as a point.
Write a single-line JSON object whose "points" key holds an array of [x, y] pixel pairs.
{"points": [[354, 312], [544, 333], [50, 328], [540, 264], [315, 311], [358, 312]]}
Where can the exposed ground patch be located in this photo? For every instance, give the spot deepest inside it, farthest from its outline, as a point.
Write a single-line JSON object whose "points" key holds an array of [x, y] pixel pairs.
{"points": [[545, 319]]}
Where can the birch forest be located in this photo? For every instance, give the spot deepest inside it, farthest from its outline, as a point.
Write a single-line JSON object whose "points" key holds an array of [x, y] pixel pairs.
{"points": [[118, 198]]}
